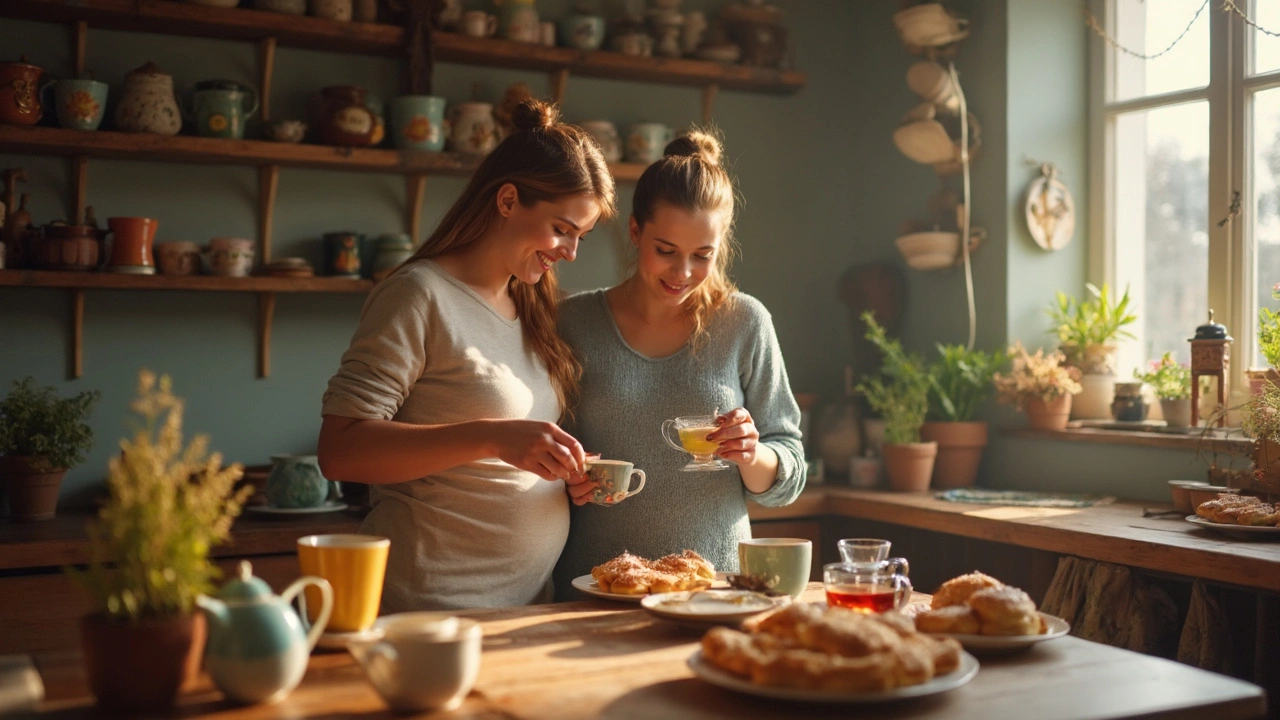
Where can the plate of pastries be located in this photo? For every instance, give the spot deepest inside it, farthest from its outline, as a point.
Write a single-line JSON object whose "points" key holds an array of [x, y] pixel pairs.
{"points": [[813, 653], [985, 615], [629, 578], [1241, 516]]}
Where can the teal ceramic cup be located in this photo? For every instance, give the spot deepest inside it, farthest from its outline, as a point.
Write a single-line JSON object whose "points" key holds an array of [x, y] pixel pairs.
{"points": [[646, 141], [583, 32], [295, 482], [613, 480], [80, 104], [417, 122], [221, 107], [782, 564]]}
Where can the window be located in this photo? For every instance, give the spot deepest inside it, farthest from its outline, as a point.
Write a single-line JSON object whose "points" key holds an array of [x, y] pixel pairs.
{"points": [[1186, 169]]}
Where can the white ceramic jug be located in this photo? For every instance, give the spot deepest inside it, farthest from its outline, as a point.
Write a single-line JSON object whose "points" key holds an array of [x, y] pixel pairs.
{"points": [[147, 102]]}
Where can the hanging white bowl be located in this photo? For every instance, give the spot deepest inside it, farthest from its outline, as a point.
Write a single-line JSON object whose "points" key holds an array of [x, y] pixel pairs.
{"points": [[929, 25], [933, 250], [925, 141]]}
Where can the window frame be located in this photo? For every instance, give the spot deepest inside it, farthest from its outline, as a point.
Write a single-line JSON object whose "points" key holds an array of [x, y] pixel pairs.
{"points": [[1231, 255]]}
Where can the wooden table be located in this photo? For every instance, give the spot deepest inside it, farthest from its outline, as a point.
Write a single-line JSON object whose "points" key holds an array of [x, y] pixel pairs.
{"points": [[601, 659]]}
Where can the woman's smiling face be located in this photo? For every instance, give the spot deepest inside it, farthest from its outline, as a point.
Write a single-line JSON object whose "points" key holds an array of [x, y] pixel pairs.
{"points": [[544, 233], [677, 251]]}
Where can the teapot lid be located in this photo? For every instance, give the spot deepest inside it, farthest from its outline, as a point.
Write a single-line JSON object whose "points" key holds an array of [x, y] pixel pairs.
{"points": [[1211, 330], [245, 586]]}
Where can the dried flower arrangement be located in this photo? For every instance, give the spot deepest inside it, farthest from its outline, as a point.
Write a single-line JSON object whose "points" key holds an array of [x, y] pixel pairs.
{"points": [[1035, 376]]}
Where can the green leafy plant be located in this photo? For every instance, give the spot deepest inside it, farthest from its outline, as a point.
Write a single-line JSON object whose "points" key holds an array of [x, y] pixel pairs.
{"points": [[1088, 329], [900, 393], [1167, 377], [960, 381], [51, 431], [1269, 331], [168, 506], [1041, 375]]}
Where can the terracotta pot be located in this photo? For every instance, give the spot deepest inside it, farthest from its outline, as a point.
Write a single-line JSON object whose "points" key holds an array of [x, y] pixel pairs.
{"points": [[68, 247], [142, 666], [909, 465], [1052, 415], [1177, 413], [131, 244], [33, 494], [20, 93], [960, 447]]}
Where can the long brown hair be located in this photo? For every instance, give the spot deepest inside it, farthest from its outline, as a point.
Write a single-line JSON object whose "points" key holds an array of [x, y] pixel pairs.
{"points": [[689, 176], [546, 161]]}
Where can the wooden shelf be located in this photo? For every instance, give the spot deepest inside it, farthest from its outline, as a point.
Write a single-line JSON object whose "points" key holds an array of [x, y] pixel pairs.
{"points": [[121, 281], [1207, 440], [25, 140], [177, 18]]}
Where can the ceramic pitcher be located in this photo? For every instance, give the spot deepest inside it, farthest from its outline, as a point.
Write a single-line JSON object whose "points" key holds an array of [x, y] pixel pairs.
{"points": [[473, 128], [20, 92], [257, 649], [221, 107], [147, 102]]}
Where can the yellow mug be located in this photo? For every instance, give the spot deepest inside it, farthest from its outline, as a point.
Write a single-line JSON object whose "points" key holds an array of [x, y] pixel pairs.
{"points": [[355, 566]]}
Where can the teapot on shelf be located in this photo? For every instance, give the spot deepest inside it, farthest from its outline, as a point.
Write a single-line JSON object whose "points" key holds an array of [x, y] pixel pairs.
{"points": [[258, 649]]}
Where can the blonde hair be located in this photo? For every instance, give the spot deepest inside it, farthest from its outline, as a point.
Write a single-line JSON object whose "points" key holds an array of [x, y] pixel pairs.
{"points": [[545, 160], [689, 176]]}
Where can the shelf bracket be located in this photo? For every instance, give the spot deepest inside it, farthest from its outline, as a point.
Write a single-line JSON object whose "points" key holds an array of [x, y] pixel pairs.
{"points": [[77, 333], [708, 102], [266, 68], [79, 46], [266, 313], [414, 192], [79, 189], [559, 79], [268, 181]]}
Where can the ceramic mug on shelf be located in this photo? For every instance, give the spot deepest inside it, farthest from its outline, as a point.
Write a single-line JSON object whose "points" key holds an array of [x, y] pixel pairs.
{"points": [[343, 252], [80, 104], [583, 32], [340, 10], [473, 129], [20, 90], [519, 21], [131, 240], [230, 257], [478, 24], [417, 122], [606, 135], [221, 107], [178, 258], [646, 142]]}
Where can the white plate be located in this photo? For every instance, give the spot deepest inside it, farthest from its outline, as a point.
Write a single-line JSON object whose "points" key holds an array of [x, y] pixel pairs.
{"points": [[1245, 532], [328, 507], [588, 585], [710, 607], [1055, 626], [940, 683]]}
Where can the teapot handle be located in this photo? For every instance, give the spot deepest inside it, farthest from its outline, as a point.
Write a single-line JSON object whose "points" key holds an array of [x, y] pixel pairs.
{"points": [[326, 605]]}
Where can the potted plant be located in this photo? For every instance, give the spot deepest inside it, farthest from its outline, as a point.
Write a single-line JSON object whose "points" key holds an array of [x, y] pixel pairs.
{"points": [[1087, 331], [900, 393], [960, 382], [149, 548], [1171, 382], [1261, 421], [1039, 385], [1269, 345], [41, 436]]}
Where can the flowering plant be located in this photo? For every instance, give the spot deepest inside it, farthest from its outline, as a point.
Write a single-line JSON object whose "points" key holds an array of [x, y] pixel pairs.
{"points": [[1169, 379], [1036, 376], [169, 505], [1088, 329], [1269, 331]]}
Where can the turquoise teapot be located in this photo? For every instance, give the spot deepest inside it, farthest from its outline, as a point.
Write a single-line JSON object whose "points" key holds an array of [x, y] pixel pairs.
{"points": [[258, 648]]}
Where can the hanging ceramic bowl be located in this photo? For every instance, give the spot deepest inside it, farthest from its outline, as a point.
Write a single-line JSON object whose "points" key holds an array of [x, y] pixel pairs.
{"points": [[929, 25], [924, 140], [935, 250], [933, 83]]}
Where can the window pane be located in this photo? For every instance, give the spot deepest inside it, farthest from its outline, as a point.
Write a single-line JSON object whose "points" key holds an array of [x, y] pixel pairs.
{"points": [[1148, 27], [1161, 226], [1266, 49], [1266, 201]]}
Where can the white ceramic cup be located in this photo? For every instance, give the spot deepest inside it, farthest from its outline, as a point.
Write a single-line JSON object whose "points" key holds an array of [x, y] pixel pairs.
{"points": [[230, 257], [424, 661], [478, 23]]}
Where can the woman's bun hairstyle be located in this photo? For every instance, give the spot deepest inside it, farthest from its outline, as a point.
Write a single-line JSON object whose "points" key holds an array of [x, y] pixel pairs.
{"points": [[534, 114], [696, 143]]}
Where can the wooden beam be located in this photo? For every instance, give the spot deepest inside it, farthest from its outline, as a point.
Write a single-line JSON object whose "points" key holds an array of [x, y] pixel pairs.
{"points": [[79, 188], [709, 93], [79, 46], [559, 78], [266, 313], [415, 190], [77, 333], [268, 181], [266, 67]]}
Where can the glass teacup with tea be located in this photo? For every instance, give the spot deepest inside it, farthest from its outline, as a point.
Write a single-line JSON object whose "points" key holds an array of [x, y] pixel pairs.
{"points": [[693, 431], [871, 587]]}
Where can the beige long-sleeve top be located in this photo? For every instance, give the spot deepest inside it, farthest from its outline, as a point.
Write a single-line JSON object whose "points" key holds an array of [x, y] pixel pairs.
{"points": [[486, 534]]}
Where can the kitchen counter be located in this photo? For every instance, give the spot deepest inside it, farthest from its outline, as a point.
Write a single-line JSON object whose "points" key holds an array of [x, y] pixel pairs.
{"points": [[600, 659]]}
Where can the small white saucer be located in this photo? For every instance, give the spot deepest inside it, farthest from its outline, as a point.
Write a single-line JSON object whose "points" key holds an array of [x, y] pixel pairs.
{"points": [[339, 640]]}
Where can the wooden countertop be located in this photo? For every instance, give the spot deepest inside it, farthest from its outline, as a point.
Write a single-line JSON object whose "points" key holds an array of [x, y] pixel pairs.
{"points": [[600, 659]]}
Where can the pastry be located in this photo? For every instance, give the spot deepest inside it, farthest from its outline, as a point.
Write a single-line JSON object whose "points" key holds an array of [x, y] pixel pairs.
{"points": [[1257, 515], [958, 589], [952, 620], [630, 574], [1005, 611]]}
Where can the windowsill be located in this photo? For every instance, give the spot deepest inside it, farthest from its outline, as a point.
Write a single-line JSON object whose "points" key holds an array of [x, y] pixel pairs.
{"points": [[1229, 440]]}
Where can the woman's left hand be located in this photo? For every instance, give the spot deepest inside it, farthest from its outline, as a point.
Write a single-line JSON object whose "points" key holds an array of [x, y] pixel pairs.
{"points": [[738, 437]]}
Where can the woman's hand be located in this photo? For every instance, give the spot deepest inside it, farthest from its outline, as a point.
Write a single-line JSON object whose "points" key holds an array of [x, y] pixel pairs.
{"points": [[738, 437], [580, 488], [541, 448]]}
